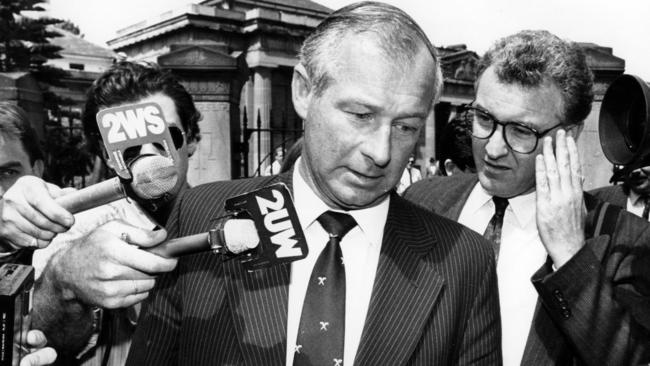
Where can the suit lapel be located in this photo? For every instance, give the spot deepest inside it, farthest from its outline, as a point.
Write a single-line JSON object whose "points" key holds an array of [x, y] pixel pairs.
{"points": [[403, 281], [258, 300], [452, 203]]}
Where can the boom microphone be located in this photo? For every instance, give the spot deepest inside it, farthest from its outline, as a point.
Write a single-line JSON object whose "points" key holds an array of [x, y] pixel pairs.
{"points": [[153, 176], [236, 236]]}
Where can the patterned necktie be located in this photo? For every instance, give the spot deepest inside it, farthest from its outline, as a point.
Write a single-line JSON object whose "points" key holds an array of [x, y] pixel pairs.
{"points": [[322, 323], [493, 230], [646, 209]]}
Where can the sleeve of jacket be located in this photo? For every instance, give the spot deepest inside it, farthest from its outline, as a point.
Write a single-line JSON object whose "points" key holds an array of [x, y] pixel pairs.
{"points": [[481, 344], [155, 341], [600, 299]]}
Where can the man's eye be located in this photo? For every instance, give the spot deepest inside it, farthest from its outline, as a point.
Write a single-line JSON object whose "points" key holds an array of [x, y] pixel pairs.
{"points": [[406, 128], [6, 173], [361, 116]]}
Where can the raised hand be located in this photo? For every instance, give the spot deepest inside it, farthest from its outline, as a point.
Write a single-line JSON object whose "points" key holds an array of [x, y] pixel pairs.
{"points": [[560, 206], [29, 215]]}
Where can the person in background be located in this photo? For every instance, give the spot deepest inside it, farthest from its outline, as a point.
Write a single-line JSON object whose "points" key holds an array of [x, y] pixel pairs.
{"points": [[21, 155], [433, 168], [100, 261], [391, 283], [456, 148], [410, 175], [567, 296], [633, 195], [276, 165]]}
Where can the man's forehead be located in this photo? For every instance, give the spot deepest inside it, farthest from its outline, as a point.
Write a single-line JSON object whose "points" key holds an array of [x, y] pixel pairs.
{"points": [[12, 150]]}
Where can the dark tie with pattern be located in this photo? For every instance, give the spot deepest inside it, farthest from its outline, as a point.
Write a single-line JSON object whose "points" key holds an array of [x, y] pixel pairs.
{"points": [[322, 323], [493, 230], [646, 209]]}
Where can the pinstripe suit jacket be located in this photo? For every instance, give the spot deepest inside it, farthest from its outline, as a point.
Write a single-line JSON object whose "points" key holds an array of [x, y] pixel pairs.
{"points": [[595, 310], [434, 300]]}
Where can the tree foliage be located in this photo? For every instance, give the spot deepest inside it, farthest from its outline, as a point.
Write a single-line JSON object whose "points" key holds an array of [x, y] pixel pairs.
{"points": [[25, 46]]}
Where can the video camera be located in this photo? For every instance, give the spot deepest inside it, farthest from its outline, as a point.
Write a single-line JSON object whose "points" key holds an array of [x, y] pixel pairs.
{"points": [[624, 125]]}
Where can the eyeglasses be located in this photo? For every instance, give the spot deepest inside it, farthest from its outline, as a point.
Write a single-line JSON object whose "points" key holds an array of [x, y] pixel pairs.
{"points": [[178, 136], [518, 137]]}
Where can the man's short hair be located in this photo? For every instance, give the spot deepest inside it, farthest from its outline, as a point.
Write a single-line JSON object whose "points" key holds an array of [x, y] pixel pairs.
{"points": [[456, 144], [400, 37], [531, 58], [14, 124], [128, 82]]}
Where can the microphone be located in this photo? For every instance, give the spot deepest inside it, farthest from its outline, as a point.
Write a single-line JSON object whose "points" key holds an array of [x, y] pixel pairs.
{"points": [[153, 176], [232, 236]]}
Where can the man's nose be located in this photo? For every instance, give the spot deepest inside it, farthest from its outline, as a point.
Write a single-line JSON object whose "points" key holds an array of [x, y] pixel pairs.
{"points": [[496, 146], [377, 146]]}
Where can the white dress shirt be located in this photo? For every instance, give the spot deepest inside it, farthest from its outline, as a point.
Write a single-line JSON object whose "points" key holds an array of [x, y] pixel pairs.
{"points": [[360, 247], [521, 254], [635, 204]]}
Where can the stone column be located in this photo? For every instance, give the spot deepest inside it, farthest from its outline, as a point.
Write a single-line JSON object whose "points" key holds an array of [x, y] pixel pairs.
{"points": [[262, 101], [214, 78]]}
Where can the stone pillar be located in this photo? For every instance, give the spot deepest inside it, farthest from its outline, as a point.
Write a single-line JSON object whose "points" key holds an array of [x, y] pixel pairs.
{"points": [[262, 99], [214, 78]]}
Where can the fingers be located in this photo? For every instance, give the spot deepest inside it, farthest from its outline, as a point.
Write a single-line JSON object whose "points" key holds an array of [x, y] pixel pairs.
{"points": [[577, 178], [559, 170], [552, 175], [38, 195], [29, 216], [36, 339], [132, 255], [119, 294], [541, 181], [42, 357]]}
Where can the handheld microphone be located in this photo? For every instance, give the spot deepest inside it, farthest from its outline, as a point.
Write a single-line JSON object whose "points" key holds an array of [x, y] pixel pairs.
{"points": [[153, 176], [232, 236], [263, 224]]}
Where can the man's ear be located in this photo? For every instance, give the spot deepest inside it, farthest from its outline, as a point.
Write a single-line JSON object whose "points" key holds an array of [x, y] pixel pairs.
{"points": [[301, 90], [450, 167], [38, 167]]}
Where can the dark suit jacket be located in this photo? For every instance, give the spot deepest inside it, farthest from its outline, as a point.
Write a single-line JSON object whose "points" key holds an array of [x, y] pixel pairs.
{"points": [[595, 310], [434, 300], [611, 194]]}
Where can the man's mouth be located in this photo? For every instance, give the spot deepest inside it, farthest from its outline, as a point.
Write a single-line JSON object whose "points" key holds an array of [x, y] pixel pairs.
{"points": [[495, 166]]}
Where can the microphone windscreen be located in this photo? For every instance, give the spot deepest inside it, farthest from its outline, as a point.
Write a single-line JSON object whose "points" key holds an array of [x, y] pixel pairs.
{"points": [[153, 176], [240, 235]]}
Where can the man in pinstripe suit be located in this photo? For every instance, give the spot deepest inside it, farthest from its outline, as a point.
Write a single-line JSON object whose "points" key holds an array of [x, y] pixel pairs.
{"points": [[589, 300], [420, 289]]}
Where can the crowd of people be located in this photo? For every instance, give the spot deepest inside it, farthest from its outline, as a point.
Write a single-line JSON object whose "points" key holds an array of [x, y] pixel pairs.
{"points": [[496, 256]]}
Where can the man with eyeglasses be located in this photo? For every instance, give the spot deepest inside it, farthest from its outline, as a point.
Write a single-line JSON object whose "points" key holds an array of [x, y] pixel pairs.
{"points": [[588, 301], [97, 262]]}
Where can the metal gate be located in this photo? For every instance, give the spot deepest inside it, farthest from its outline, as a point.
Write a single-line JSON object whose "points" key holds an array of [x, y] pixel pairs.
{"points": [[259, 144]]}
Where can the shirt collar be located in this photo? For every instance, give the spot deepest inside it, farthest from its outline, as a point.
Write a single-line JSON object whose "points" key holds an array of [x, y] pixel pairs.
{"points": [[635, 198], [309, 206], [522, 207]]}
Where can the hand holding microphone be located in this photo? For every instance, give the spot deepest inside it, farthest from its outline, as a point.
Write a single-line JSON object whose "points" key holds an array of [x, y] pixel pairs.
{"points": [[153, 176]]}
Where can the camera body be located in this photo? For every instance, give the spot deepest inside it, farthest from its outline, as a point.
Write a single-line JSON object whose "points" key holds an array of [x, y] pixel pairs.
{"points": [[16, 284], [623, 125]]}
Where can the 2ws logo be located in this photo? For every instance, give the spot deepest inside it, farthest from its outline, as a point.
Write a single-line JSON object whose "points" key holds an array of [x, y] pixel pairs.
{"points": [[128, 127], [132, 122]]}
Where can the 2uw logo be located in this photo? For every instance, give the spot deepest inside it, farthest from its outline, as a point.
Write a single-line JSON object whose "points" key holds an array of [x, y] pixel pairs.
{"points": [[133, 123], [276, 220]]}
